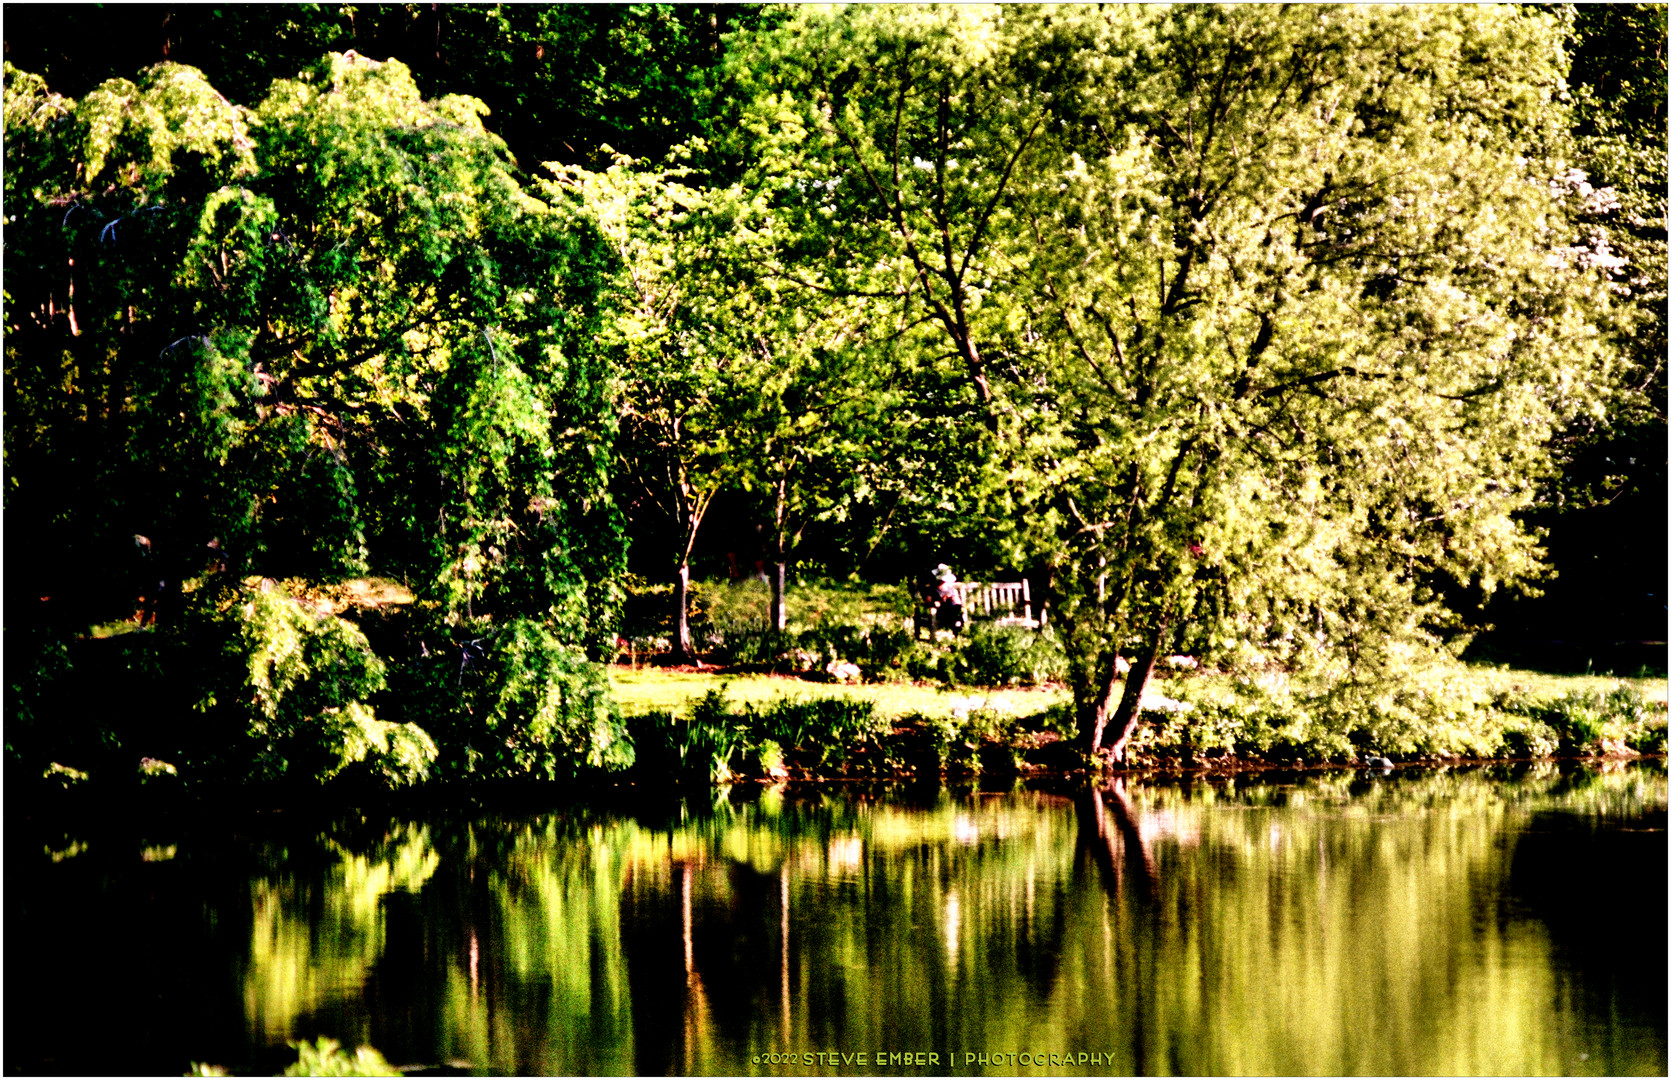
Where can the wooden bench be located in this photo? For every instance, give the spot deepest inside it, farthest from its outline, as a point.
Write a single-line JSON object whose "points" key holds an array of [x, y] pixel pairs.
{"points": [[1006, 603]]}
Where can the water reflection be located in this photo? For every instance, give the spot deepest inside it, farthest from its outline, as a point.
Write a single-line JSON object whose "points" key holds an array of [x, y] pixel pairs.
{"points": [[1437, 923]]}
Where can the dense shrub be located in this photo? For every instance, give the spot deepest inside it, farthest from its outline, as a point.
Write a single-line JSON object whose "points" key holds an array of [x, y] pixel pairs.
{"points": [[989, 655], [1425, 713], [1648, 738], [299, 686], [1432, 713], [954, 740], [254, 685], [94, 706], [700, 747], [1530, 739], [825, 728], [1581, 721], [510, 700]]}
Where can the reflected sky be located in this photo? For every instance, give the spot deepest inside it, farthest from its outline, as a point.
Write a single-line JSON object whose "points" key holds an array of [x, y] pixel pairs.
{"points": [[1420, 922]]}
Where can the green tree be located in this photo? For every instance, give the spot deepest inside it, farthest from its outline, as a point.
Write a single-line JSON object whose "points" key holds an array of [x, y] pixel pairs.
{"points": [[817, 422], [732, 376], [1216, 274], [564, 82], [329, 335], [809, 408], [1604, 510], [892, 143], [677, 397]]}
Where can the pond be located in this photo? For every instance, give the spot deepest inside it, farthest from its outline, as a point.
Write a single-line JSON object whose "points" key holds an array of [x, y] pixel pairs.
{"points": [[1418, 921]]}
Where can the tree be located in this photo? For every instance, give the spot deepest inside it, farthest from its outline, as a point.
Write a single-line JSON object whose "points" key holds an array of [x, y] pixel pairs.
{"points": [[817, 423], [891, 143], [735, 378], [678, 398], [1603, 510], [810, 410], [1214, 275], [563, 82], [326, 336]]}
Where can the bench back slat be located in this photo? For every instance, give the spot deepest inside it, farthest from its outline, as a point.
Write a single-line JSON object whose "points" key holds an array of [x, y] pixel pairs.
{"points": [[1006, 599]]}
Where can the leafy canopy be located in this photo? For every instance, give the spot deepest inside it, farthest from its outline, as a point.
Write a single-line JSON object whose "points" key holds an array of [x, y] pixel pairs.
{"points": [[1215, 275]]}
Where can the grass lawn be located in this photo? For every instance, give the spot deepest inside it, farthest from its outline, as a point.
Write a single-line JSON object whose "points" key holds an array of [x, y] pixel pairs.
{"points": [[1542, 686], [650, 689]]}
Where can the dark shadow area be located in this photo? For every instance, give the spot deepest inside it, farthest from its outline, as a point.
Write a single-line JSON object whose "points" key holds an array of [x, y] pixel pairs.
{"points": [[1600, 888]]}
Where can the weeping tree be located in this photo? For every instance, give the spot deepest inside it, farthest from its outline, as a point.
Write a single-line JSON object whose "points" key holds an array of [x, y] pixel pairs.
{"points": [[325, 337], [1318, 316], [1270, 313]]}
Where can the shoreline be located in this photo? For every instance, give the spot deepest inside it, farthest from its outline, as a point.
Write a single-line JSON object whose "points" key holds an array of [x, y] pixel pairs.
{"points": [[623, 792]]}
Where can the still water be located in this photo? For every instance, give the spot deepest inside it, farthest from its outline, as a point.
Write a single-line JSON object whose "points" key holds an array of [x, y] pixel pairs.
{"points": [[1413, 922]]}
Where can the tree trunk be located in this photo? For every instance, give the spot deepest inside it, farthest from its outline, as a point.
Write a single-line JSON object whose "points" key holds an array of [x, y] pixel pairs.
{"points": [[1093, 713], [781, 544], [689, 508], [780, 603], [683, 649], [1131, 702]]}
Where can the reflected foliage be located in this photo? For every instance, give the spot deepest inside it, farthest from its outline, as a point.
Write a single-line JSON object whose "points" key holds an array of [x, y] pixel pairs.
{"points": [[1345, 923]]}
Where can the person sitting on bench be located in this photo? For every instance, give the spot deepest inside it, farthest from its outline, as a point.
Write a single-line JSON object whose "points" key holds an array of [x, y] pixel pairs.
{"points": [[945, 609]]}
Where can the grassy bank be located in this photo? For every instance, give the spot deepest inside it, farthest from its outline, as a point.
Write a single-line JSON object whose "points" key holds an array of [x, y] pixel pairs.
{"points": [[719, 726], [217, 709], [650, 689], [646, 688]]}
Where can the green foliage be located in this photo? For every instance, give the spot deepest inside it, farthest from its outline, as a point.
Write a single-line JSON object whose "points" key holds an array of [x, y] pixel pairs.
{"points": [[153, 770], [1530, 739], [1648, 738], [729, 379], [1231, 303], [239, 332], [511, 700], [963, 741], [326, 1057], [321, 1057], [1433, 713], [1587, 721], [1007, 656], [766, 758], [234, 337], [301, 699], [703, 744], [1150, 300], [715, 742], [1603, 511], [700, 747], [830, 623], [823, 726], [63, 775], [565, 83]]}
